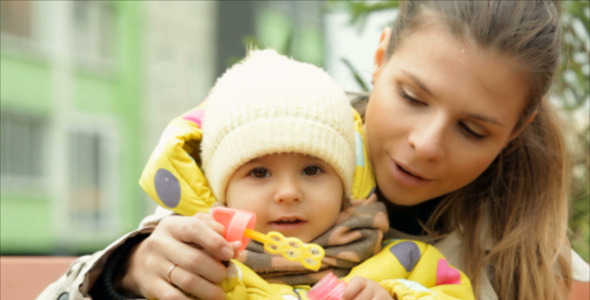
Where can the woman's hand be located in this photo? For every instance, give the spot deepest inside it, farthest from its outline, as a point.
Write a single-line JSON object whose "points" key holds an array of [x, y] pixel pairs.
{"points": [[364, 289], [195, 245]]}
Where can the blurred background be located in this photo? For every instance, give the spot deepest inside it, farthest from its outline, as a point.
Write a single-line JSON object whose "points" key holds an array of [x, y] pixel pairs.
{"points": [[86, 88]]}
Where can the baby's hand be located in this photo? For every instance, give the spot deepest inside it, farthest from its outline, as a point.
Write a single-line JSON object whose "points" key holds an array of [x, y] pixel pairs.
{"points": [[364, 289]]}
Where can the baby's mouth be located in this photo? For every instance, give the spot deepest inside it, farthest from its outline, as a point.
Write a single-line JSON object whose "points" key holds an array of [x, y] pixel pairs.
{"points": [[288, 221]]}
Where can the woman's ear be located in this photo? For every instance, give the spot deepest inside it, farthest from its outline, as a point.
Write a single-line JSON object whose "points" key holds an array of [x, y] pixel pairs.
{"points": [[380, 53], [518, 131]]}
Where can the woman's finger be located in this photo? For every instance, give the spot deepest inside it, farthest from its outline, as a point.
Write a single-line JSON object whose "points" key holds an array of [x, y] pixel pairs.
{"points": [[191, 257], [200, 263], [163, 290], [206, 234], [194, 285]]}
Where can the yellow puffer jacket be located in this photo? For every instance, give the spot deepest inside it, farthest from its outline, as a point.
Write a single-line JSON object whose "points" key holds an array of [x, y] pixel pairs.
{"points": [[408, 269]]}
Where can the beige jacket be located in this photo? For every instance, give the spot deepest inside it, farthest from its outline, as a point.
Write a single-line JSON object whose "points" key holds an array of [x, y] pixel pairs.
{"points": [[83, 272]]}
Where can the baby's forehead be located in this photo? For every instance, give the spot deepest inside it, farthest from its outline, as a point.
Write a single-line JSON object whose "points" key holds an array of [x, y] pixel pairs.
{"points": [[285, 155]]}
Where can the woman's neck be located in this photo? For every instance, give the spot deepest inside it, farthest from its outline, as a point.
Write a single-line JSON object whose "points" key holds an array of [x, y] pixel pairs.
{"points": [[407, 219]]}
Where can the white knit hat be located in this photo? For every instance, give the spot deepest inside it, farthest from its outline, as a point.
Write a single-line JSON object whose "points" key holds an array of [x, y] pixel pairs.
{"points": [[269, 104]]}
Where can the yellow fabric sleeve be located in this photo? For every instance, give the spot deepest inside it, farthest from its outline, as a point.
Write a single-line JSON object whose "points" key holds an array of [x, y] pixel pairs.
{"points": [[172, 176], [364, 177]]}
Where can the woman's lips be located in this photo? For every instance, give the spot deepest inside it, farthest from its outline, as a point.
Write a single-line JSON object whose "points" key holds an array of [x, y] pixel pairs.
{"points": [[407, 178]]}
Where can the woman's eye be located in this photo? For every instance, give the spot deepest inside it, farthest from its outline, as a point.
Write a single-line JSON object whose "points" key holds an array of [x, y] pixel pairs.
{"points": [[312, 170], [411, 99], [260, 172], [470, 132]]}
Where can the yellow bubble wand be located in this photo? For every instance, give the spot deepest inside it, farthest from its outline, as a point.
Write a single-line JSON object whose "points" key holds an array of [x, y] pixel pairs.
{"points": [[238, 227]]}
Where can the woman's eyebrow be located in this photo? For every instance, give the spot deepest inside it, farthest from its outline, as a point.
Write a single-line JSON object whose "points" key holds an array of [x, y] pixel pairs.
{"points": [[485, 119], [423, 87], [417, 82]]}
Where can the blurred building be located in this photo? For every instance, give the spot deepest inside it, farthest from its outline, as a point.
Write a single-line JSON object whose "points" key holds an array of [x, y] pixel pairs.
{"points": [[86, 88], [71, 120]]}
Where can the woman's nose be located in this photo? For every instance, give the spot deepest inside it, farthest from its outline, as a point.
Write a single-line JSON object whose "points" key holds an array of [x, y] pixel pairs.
{"points": [[427, 140], [287, 191]]}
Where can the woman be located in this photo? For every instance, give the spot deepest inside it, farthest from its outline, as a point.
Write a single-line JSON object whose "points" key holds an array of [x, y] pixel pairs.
{"points": [[467, 155]]}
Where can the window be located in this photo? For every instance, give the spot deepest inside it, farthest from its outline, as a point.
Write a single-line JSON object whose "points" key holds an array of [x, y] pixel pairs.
{"points": [[19, 26], [85, 186], [16, 18], [22, 144], [91, 168], [90, 174], [93, 29]]}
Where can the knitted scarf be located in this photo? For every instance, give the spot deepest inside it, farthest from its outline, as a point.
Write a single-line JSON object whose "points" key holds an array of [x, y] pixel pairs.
{"points": [[356, 236]]}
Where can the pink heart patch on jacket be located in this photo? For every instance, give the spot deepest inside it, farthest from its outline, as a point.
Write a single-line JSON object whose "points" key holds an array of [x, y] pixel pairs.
{"points": [[446, 274]]}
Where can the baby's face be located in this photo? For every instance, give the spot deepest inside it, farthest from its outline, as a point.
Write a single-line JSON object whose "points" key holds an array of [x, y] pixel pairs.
{"points": [[297, 195]]}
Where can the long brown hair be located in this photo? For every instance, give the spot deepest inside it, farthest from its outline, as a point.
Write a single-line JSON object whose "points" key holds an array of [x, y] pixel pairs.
{"points": [[519, 204]]}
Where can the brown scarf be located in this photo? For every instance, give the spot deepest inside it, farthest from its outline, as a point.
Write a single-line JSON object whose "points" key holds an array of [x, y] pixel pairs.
{"points": [[356, 236]]}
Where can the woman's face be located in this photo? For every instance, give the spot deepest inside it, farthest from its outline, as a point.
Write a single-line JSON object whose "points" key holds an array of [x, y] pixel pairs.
{"points": [[440, 112]]}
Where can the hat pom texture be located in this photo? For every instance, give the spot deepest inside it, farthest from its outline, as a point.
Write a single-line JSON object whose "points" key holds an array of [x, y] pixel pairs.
{"points": [[270, 104]]}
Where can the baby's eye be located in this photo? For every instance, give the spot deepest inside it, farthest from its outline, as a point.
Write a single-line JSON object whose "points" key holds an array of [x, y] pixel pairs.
{"points": [[260, 172], [312, 170]]}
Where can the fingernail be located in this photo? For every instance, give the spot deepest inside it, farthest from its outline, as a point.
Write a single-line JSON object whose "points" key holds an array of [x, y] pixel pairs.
{"points": [[227, 253], [236, 244]]}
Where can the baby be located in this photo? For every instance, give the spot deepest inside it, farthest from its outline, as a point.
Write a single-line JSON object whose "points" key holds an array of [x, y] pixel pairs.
{"points": [[280, 139]]}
